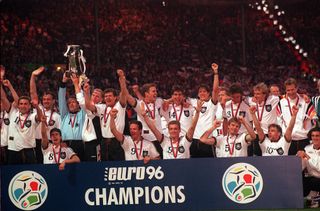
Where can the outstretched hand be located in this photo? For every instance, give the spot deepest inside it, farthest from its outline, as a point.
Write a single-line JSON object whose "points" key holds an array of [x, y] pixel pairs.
{"points": [[38, 71], [215, 67], [113, 113]]}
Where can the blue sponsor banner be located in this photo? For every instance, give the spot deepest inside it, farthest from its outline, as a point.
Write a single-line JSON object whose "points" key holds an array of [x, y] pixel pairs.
{"points": [[193, 184]]}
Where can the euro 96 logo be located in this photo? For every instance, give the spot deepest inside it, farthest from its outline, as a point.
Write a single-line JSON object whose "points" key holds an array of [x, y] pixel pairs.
{"points": [[28, 190], [242, 183]]}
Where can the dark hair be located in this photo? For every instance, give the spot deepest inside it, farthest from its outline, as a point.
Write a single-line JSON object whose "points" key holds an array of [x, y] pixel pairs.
{"points": [[235, 120], [204, 86], [177, 88], [291, 81], [24, 98], [315, 129], [55, 130], [174, 122], [113, 91], [49, 93], [279, 129], [146, 87], [235, 88], [136, 122]]}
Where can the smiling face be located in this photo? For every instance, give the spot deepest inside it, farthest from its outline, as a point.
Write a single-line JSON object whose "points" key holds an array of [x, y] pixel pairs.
{"points": [[315, 137], [174, 129], [291, 91], [55, 137], [96, 96], [47, 101], [135, 131], [151, 94], [203, 94], [24, 106], [110, 99], [73, 105]]}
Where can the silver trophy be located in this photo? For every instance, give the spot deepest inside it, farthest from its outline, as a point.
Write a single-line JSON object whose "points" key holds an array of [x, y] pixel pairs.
{"points": [[77, 63]]}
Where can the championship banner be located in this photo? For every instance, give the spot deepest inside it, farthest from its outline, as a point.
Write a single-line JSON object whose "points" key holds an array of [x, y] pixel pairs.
{"points": [[170, 185]]}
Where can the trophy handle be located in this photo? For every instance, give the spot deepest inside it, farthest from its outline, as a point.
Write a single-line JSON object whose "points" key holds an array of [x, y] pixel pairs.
{"points": [[82, 61], [68, 49]]}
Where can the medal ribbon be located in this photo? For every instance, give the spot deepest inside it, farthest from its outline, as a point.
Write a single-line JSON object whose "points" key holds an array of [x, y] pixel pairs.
{"points": [[175, 152], [236, 114], [57, 161], [50, 118], [24, 122], [260, 117], [105, 115], [152, 114], [290, 109], [2, 119], [136, 149], [231, 150], [74, 120], [178, 117]]}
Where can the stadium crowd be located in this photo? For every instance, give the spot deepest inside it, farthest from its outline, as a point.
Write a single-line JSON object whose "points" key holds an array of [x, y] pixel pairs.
{"points": [[149, 94]]}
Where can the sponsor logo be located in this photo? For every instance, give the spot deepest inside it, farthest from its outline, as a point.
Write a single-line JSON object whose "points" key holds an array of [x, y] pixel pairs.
{"points": [[28, 190], [242, 183]]}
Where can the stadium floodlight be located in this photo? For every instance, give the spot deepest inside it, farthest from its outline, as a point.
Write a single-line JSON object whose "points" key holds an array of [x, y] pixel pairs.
{"points": [[276, 7], [267, 12], [280, 27], [271, 16], [297, 47], [263, 1], [286, 39], [301, 50], [290, 38], [284, 32], [275, 22], [315, 79], [282, 12], [304, 74], [305, 54], [264, 9], [257, 3], [259, 7], [279, 13], [293, 41]]}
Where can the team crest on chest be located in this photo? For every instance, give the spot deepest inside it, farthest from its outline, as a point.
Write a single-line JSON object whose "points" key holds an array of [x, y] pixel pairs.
{"points": [[144, 153], [51, 122], [6, 121], [28, 123], [203, 109], [268, 108], [181, 149], [186, 113], [63, 155], [242, 113], [280, 151], [238, 146]]}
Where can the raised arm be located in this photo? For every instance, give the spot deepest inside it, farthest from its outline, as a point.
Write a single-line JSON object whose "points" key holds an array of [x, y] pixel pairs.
{"points": [[206, 137], [75, 81], [62, 97], [215, 88], [131, 100], [195, 119], [12, 90], [118, 135], [251, 133], [33, 86], [44, 135], [39, 115], [122, 82], [89, 104], [256, 123], [288, 132], [151, 124], [4, 100]]}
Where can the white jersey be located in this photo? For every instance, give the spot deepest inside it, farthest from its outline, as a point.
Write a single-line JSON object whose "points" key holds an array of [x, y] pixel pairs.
{"points": [[232, 146], [22, 129], [138, 151], [181, 114], [206, 117], [235, 110], [88, 131], [53, 120], [266, 112], [153, 112], [176, 151], [312, 164], [298, 132], [278, 148], [4, 127], [103, 113], [53, 154]]}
